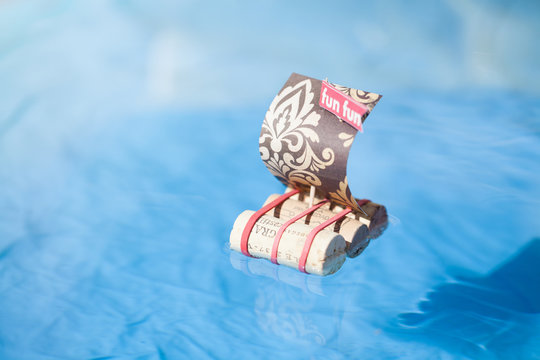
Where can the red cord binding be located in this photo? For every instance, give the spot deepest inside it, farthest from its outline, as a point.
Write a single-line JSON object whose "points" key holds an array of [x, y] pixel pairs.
{"points": [[311, 236], [257, 215], [362, 202], [287, 224]]}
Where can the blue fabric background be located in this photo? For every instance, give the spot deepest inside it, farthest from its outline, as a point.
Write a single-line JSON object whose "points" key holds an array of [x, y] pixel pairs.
{"points": [[129, 144]]}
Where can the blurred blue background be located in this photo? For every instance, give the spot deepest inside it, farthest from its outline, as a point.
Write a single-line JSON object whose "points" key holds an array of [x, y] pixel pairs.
{"points": [[129, 144]]}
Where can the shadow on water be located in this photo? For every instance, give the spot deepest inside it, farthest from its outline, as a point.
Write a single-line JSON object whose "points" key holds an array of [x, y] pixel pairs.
{"points": [[495, 316]]}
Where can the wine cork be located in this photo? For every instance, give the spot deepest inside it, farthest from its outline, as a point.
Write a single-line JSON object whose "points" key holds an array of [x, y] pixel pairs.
{"points": [[353, 231], [325, 257]]}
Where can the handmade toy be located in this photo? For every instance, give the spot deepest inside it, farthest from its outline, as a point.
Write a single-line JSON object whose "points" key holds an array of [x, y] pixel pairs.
{"points": [[305, 141]]}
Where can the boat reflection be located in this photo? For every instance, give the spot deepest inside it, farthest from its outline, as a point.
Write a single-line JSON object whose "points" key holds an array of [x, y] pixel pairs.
{"points": [[286, 307], [251, 266]]}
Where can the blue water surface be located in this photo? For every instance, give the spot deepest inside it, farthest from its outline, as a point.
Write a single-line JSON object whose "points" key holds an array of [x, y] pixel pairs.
{"points": [[129, 144]]}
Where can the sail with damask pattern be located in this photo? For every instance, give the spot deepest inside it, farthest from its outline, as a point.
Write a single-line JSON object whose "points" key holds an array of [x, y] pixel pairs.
{"points": [[305, 144], [305, 141]]}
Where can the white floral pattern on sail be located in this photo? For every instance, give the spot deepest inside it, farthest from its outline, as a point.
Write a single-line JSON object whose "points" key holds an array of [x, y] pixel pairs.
{"points": [[289, 129], [347, 138]]}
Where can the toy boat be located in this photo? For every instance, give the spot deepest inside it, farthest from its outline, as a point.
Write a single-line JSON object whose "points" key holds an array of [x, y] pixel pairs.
{"points": [[305, 141]]}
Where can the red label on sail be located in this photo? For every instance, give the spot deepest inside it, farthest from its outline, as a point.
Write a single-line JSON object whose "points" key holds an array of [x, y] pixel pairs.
{"points": [[341, 105]]}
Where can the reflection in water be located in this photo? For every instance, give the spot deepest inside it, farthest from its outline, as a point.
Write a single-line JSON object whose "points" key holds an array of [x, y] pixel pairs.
{"points": [[494, 315], [252, 266], [288, 317], [287, 307]]}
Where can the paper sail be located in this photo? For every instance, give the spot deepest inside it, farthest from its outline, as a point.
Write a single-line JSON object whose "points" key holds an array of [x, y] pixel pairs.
{"points": [[307, 134]]}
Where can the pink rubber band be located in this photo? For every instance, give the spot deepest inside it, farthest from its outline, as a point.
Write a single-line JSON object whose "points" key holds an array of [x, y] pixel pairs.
{"points": [[257, 215], [287, 224], [311, 236]]}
